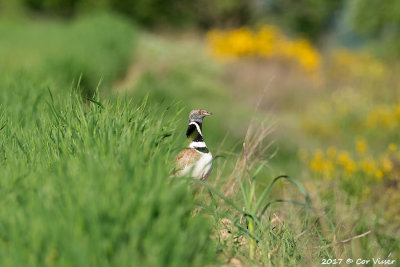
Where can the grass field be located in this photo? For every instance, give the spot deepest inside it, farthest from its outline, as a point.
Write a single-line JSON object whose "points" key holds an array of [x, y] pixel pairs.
{"points": [[94, 111]]}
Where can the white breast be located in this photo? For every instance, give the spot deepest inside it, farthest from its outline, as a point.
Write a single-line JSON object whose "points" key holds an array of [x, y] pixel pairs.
{"points": [[201, 169]]}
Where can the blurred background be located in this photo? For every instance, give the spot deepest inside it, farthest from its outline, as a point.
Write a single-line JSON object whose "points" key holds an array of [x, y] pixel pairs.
{"points": [[324, 73]]}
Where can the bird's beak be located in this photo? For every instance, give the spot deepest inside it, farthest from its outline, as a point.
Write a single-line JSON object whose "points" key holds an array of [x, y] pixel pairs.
{"points": [[207, 113]]}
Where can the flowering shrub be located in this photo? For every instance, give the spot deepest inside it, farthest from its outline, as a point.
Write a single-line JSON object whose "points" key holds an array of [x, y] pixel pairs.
{"points": [[384, 116], [363, 102], [268, 42], [334, 163], [350, 113]]}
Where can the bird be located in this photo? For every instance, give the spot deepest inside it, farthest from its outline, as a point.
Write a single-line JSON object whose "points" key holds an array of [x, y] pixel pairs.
{"points": [[195, 160]]}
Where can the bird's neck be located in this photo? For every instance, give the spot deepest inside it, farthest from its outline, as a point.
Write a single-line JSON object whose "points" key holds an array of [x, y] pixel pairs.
{"points": [[194, 133], [195, 136]]}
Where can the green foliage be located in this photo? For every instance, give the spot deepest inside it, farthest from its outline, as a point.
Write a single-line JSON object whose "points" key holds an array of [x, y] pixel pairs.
{"points": [[379, 21], [203, 13], [76, 193], [380, 16], [256, 229], [85, 183], [310, 18], [143, 11], [96, 47], [88, 184]]}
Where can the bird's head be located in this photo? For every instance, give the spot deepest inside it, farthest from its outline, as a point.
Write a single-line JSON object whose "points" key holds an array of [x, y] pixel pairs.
{"points": [[198, 115]]}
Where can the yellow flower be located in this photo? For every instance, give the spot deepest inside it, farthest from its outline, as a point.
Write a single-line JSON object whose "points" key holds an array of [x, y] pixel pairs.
{"points": [[379, 174], [361, 146], [368, 166], [398, 112], [387, 164], [328, 169], [381, 116], [317, 162], [241, 41], [320, 165], [350, 167], [346, 161], [392, 148], [268, 42]]}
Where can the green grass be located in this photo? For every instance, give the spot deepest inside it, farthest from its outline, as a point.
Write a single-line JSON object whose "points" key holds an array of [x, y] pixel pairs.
{"points": [[87, 185], [95, 48], [76, 191], [85, 167], [337, 213]]}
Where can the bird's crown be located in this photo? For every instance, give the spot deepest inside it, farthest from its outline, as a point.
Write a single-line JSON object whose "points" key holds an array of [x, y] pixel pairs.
{"points": [[198, 115]]}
